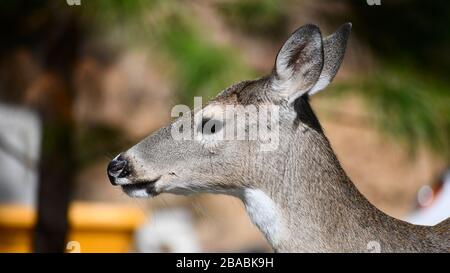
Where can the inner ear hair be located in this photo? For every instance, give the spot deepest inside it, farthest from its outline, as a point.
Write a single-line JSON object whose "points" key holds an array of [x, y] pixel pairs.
{"points": [[299, 63]]}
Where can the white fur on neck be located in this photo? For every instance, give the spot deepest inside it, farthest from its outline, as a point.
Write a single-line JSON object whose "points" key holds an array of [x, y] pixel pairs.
{"points": [[264, 213]]}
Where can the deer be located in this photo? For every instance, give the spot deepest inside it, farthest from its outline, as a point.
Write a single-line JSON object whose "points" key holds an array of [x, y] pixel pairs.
{"points": [[297, 194]]}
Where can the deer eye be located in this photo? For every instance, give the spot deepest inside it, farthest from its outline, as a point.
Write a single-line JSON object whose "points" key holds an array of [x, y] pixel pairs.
{"points": [[210, 126]]}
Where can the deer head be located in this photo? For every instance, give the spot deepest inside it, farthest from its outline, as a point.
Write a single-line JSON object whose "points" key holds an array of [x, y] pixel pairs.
{"points": [[305, 64]]}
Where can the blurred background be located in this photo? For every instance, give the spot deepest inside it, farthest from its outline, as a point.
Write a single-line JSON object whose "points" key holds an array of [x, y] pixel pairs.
{"points": [[81, 81]]}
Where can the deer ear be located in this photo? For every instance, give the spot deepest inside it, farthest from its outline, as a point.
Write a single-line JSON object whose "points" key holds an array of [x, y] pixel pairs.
{"points": [[299, 63], [334, 50]]}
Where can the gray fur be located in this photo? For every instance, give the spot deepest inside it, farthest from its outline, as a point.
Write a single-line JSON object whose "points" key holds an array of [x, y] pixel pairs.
{"points": [[318, 208]]}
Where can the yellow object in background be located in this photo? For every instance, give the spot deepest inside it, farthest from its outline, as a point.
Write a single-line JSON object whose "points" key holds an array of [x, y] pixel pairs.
{"points": [[94, 227]]}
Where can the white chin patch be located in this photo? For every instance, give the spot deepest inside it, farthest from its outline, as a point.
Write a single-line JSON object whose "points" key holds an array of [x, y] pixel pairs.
{"points": [[136, 193]]}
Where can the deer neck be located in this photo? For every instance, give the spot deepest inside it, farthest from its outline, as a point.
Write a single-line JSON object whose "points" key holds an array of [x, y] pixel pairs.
{"points": [[311, 205]]}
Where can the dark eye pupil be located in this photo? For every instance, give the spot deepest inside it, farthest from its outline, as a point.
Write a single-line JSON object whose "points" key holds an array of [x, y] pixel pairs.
{"points": [[209, 127]]}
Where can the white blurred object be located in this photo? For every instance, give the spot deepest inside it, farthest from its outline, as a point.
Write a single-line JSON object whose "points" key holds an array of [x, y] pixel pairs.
{"points": [[20, 140], [169, 230], [434, 205]]}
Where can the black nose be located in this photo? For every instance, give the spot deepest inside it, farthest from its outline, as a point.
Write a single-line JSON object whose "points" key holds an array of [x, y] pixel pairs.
{"points": [[117, 168]]}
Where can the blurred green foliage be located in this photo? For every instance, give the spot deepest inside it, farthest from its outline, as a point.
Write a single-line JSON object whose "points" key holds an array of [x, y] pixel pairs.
{"points": [[407, 106], [203, 67], [414, 110], [265, 18]]}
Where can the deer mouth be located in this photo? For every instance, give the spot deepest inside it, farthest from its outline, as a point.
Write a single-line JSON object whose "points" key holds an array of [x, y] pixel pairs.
{"points": [[141, 188]]}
